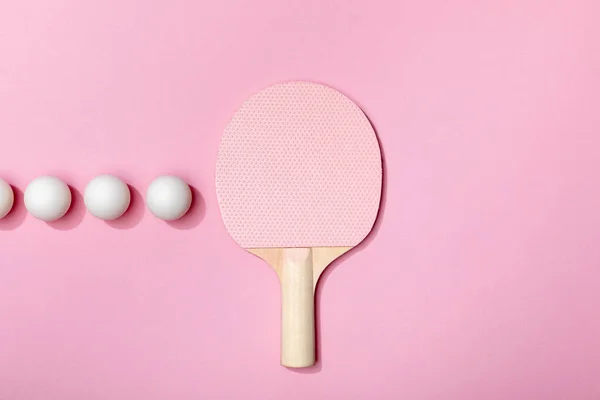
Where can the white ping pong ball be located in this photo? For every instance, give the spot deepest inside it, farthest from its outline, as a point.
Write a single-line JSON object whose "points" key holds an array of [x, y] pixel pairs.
{"points": [[107, 197], [168, 197], [7, 198], [47, 198]]}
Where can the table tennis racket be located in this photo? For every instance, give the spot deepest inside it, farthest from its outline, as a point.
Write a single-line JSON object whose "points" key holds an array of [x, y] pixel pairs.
{"points": [[298, 181]]}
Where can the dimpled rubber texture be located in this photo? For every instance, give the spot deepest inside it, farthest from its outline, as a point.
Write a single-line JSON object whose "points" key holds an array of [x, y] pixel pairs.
{"points": [[299, 165]]}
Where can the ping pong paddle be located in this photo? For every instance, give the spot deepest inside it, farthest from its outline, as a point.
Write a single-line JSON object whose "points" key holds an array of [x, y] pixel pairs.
{"points": [[298, 182]]}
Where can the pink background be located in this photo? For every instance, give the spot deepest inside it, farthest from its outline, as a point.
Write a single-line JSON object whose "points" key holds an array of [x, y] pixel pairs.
{"points": [[480, 281]]}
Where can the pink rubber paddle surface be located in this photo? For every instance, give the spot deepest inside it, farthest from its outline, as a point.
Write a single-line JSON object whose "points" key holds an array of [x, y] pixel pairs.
{"points": [[299, 165]]}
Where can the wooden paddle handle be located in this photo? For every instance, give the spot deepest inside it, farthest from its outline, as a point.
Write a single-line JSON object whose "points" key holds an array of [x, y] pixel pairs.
{"points": [[297, 308]]}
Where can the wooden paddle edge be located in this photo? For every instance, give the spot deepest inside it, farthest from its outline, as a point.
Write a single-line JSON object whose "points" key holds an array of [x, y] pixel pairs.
{"points": [[321, 258]]}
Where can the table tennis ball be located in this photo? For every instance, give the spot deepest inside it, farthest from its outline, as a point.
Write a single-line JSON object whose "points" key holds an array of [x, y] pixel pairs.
{"points": [[107, 197], [168, 197], [47, 198], [7, 198]]}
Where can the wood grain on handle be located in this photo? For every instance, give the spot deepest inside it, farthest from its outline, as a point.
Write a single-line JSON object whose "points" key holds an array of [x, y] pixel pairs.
{"points": [[298, 270], [297, 309]]}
